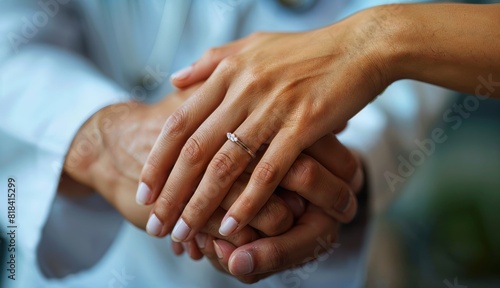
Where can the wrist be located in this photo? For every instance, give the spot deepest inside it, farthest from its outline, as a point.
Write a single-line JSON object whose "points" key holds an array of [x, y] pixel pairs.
{"points": [[371, 41], [394, 40]]}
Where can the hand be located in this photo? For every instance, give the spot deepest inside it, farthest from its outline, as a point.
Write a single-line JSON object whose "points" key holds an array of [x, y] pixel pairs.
{"points": [[109, 150], [264, 97], [305, 243], [314, 234], [108, 153]]}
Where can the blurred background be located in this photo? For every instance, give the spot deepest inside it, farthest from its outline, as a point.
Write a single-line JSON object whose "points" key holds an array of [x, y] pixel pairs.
{"points": [[443, 228]]}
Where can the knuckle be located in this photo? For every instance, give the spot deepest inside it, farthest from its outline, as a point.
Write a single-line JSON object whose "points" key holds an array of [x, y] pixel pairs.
{"points": [[166, 205], [212, 53], [265, 173], [277, 257], [192, 151], [247, 205], [257, 77], [243, 237], [175, 124], [222, 166], [230, 63], [305, 171], [194, 210], [275, 218]]}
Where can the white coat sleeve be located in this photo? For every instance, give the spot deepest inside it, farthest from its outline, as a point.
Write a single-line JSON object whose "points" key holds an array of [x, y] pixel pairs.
{"points": [[47, 91]]}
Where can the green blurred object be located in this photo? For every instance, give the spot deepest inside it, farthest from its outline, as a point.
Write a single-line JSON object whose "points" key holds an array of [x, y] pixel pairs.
{"points": [[445, 220]]}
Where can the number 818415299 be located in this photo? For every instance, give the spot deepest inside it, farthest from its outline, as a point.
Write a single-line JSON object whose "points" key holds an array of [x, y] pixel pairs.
{"points": [[11, 200]]}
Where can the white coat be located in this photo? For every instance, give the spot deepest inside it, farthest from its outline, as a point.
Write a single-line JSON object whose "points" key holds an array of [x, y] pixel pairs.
{"points": [[63, 60]]}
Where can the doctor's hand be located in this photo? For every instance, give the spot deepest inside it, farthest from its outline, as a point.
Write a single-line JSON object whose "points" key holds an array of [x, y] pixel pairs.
{"points": [[286, 89]]}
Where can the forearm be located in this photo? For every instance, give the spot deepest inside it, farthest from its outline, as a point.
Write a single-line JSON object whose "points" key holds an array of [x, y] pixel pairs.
{"points": [[450, 45]]}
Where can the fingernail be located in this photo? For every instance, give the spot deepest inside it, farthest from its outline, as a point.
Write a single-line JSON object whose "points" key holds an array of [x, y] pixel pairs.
{"points": [[181, 231], [143, 194], [228, 226], [201, 239], [343, 207], [154, 225], [182, 74], [218, 251], [241, 263]]}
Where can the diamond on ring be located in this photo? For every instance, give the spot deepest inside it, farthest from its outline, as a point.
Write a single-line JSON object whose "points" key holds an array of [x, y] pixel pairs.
{"points": [[233, 138]]}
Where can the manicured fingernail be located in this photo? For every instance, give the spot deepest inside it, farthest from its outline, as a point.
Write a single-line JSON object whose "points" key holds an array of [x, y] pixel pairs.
{"points": [[218, 251], [228, 226], [344, 206], [181, 231], [154, 225], [182, 74], [241, 263], [201, 239], [143, 194]]}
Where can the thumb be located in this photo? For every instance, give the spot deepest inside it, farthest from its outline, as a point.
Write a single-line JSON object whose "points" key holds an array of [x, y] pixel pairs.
{"points": [[314, 234], [203, 68]]}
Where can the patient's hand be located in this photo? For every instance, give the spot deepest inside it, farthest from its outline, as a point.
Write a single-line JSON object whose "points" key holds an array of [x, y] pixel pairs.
{"points": [[268, 255], [110, 149]]}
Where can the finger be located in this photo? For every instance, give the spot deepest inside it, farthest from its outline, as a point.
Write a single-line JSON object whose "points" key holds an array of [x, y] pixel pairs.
{"points": [[174, 134], [177, 248], [265, 178], [211, 254], [274, 218], [192, 161], [211, 228], [314, 234], [322, 188], [296, 202], [205, 66], [193, 250], [334, 156], [224, 250], [222, 171], [340, 128]]}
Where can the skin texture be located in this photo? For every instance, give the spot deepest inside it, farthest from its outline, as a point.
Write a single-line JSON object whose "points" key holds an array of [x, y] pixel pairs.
{"points": [[108, 153], [290, 89]]}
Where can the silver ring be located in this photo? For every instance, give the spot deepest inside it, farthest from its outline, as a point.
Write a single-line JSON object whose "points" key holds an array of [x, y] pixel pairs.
{"points": [[233, 138]]}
